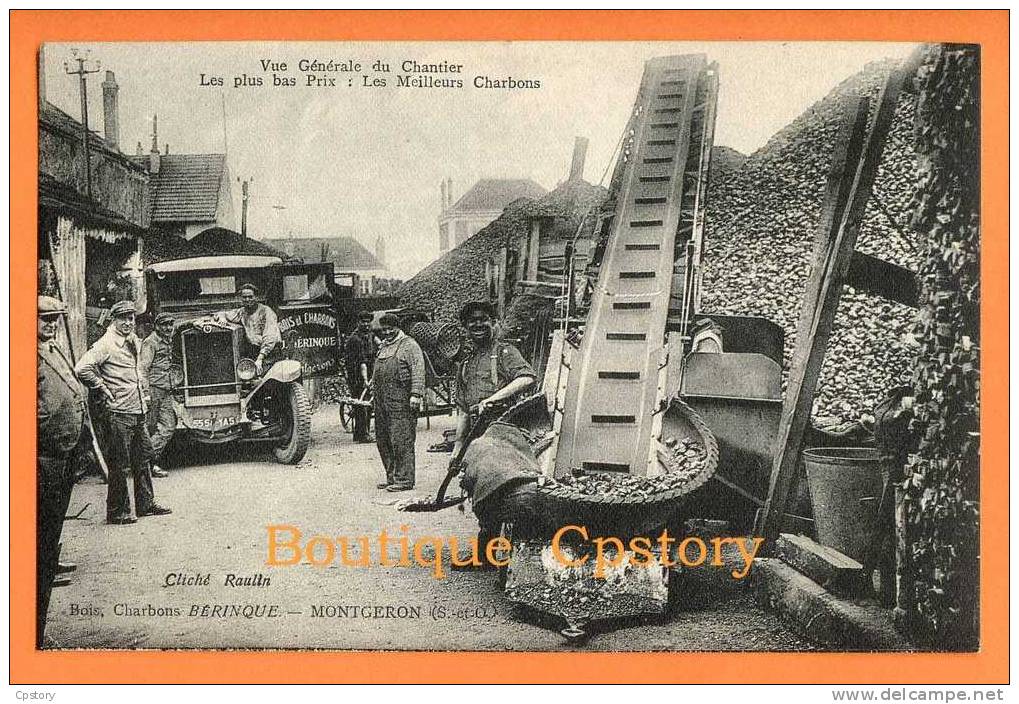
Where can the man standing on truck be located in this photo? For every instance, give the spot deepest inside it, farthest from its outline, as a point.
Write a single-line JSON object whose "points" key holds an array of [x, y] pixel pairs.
{"points": [[156, 360], [113, 367], [359, 356], [261, 326], [492, 377]]}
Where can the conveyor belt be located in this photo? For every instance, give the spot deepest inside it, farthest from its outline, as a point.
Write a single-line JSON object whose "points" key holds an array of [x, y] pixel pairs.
{"points": [[616, 381]]}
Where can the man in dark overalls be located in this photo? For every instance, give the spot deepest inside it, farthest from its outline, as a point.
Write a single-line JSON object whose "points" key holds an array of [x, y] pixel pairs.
{"points": [[359, 358], [398, 385]]}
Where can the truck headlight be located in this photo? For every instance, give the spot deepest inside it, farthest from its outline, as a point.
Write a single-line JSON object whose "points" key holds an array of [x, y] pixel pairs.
{"points": [[246, 370]]}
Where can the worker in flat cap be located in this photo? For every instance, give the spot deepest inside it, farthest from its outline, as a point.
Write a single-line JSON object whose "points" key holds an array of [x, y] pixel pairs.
{"points": [[61, 432], [261, 326], [492, 378], [156, 360], [113, 368]]}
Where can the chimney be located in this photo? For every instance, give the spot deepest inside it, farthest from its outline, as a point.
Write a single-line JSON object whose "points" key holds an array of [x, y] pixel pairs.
{"points": [[139, 148], [449, 193], [166, 148], [442, 187], [154, 152], [579, 156], [111, 118]]}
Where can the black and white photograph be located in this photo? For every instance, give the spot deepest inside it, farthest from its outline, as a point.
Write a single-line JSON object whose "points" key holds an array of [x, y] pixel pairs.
{"points": [[509, 346]]}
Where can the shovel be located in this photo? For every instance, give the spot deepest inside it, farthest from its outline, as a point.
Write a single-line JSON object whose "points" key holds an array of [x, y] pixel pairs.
{"points": [[440, 501]]}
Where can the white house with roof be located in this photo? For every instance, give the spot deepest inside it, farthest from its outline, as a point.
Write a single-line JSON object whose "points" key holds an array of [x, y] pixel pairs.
{"points": [[189, 193], [478, 207]]}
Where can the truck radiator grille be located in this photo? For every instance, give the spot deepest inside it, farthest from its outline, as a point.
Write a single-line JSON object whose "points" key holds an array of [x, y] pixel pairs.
{"points": [[209, 359]]}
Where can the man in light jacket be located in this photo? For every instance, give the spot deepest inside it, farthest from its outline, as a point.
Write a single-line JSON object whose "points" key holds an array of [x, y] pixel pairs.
{"points": [[113, 368]]}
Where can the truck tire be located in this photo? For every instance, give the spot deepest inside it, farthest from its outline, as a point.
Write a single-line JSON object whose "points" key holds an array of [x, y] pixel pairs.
{"points": [[292, 451]]}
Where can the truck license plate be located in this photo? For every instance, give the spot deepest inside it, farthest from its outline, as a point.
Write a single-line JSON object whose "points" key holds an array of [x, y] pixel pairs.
{"points": [[214, 418]]}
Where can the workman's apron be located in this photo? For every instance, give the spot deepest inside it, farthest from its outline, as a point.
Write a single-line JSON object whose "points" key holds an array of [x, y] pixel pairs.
{"points": [[395, 421]]}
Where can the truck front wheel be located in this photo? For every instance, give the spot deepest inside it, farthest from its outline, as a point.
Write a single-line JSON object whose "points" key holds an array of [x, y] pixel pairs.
{"points": [[297, 425]]}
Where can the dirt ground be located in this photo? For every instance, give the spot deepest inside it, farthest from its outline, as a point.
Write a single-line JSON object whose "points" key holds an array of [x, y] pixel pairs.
{"points": [[222, 503]]}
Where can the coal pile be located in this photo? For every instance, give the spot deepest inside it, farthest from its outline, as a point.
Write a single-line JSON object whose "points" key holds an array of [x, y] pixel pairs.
{"points": [[458, 276], [762, 219], [580, 604], [725, 160], [688, 461]]}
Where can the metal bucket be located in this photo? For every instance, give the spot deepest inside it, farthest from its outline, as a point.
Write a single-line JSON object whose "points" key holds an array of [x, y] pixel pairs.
{"points": [[845, 489]]}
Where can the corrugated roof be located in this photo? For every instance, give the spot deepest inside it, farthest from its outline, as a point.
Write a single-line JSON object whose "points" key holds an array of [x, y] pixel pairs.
{"points": [[497, 193], [346, 253], [62, 198], [186, 189]]}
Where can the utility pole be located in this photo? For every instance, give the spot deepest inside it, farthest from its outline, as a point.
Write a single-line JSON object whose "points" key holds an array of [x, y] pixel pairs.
{"points": [[81, 72], [244, 206]]}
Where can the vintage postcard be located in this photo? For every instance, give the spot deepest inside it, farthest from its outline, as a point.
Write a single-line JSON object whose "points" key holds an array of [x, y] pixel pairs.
{"points": [[520, 346]]}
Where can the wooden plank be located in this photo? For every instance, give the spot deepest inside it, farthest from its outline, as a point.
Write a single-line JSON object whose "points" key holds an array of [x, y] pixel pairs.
{"points": [[827, 620], [848, 150], [834, 571], [818, 313], [882, 278], [533, 250]]}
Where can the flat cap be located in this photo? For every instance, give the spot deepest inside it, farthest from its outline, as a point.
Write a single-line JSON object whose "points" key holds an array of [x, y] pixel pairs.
{"points": [[122, 308], [163, 317], [473, 306], [48, 305]]}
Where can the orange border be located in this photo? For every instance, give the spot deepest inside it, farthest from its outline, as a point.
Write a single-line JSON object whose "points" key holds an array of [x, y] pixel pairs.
{"points": [[989, 28]]}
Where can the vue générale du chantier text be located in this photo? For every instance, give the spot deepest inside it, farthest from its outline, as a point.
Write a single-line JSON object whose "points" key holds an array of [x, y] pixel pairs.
{"points": [[379, 73]]}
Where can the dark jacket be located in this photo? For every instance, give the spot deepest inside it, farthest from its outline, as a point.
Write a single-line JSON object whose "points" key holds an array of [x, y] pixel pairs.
{"points": [[399, 373], [499, 459], [359, 349], [60, 411]]}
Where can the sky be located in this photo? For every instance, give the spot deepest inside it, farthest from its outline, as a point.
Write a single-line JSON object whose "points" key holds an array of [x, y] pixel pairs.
{"points": [[365, 162]]}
